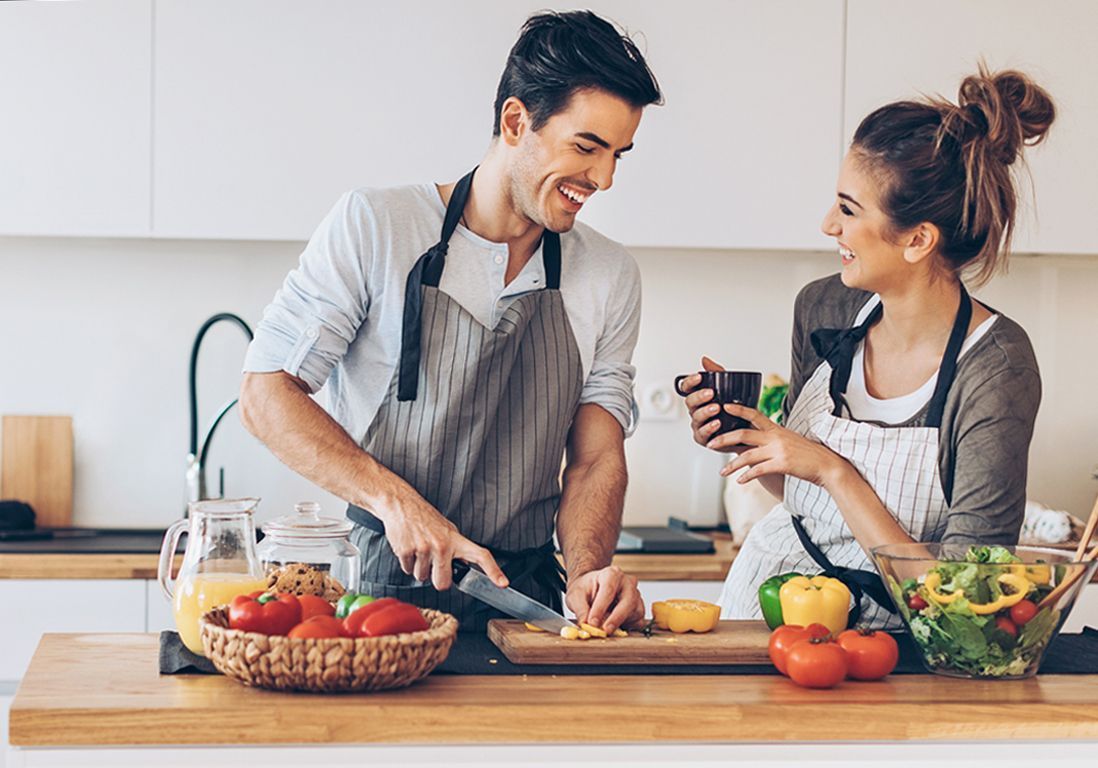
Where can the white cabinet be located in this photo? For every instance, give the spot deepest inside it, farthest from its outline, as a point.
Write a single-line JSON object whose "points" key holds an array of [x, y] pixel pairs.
{"points": [[50, 605], [76, 90], [896, 50], [267, 112], [158, 610]]}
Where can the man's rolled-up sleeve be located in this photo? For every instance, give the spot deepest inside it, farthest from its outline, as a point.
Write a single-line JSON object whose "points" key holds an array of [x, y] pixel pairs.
{"points": [[610, 382], [314, 316]]}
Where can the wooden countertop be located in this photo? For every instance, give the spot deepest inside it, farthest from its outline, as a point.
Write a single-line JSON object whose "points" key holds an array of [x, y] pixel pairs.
{"points": [[105, 690], [711, 567]]}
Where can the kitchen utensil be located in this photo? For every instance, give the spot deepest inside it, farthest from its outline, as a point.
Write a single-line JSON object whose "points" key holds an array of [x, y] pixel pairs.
{"points": [[37, 466], [321, 543], [220, 562], [510, 601], [1084, 540], [988, 639], [732, 642], [739, 387]]}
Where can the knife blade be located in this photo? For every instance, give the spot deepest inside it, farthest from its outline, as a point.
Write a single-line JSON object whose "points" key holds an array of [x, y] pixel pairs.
{"points": [[512, 602]]}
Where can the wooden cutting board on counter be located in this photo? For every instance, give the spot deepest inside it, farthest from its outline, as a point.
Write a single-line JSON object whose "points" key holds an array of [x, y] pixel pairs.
{"points": [[36, 466], [732, 642]]}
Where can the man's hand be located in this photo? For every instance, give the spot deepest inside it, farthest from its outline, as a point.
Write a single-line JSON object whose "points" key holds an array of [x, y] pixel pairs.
{"points": [[607, 598], [425, 542]]}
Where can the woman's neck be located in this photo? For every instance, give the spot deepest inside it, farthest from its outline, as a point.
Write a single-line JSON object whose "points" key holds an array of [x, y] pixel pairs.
{"points": [[918, 315]]}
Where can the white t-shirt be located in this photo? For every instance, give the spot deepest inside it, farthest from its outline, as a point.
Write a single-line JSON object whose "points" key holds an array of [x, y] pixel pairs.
{"points": [[862, 406]]}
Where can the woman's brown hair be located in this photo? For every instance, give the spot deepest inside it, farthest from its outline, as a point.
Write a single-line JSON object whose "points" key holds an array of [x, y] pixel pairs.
{"points": [[951, 164]]}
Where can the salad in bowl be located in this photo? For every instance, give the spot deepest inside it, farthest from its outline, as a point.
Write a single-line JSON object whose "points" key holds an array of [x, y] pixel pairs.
{"points": [[983, 611]]}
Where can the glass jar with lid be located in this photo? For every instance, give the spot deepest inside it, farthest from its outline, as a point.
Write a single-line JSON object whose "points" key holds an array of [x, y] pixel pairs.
{"points": [[306, 553]]}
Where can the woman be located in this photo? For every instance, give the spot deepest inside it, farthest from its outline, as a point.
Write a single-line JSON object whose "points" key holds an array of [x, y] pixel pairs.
{"points": [[911, 406]]}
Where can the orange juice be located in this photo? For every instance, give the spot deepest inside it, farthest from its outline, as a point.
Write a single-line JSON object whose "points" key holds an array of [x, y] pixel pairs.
{"points": [[195, 596]]}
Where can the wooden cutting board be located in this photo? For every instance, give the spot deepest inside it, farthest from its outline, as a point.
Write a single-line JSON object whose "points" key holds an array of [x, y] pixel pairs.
{"points": [[732, 642], [36, 466]]}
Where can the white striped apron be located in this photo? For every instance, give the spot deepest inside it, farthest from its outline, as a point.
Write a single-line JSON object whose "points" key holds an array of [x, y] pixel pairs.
{"points": [[899, 463]]}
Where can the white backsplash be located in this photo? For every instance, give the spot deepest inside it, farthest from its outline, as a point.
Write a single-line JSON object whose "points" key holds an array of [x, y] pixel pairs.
{"points": [[102, 330]]}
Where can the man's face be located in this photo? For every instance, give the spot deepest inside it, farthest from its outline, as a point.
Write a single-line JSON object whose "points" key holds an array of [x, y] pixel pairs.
{"points": [[574, 155]]}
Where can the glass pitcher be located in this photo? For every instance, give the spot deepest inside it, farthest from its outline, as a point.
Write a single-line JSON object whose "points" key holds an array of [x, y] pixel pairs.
{"points": [[219, 563]]}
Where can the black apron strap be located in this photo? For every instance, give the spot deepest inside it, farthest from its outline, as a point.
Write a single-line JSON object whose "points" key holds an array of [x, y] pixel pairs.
{"points": [[948, 370], [550, 258], [427, 271], [837, 347], [859, 582]]}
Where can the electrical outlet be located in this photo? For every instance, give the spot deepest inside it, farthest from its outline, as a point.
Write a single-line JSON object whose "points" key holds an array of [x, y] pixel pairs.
{"points": [[658, 402]]}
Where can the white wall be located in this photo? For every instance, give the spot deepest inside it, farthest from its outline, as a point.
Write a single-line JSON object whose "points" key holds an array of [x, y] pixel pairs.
{"points": [[102, 329]]}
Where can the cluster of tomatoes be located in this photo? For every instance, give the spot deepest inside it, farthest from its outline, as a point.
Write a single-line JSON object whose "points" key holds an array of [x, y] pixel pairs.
{"points": [[308, 616], [812, 657]]}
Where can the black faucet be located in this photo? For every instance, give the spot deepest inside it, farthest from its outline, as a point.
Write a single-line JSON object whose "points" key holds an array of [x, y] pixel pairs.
{"points": [[196, 458]]}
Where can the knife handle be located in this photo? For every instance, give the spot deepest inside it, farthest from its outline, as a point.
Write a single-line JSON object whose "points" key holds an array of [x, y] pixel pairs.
{"points": [[460, 568]]}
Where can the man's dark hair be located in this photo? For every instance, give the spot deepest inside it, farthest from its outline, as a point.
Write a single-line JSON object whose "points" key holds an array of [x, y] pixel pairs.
{"points": [[558, 54]]}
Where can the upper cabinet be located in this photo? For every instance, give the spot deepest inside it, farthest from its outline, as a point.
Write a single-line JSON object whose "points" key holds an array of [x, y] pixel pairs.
{"points": [[76, 90], [897, 50], [266, 112]]}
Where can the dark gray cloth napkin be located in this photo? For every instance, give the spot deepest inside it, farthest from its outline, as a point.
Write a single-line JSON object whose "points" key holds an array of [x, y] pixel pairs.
{"points": [[474, 654]]}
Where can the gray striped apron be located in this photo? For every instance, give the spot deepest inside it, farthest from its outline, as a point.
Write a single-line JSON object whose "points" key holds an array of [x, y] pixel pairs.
{"points": [[899, 463], [476, 420]]}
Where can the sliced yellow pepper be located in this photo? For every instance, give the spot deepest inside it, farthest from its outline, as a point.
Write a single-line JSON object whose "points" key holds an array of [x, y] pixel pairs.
{"points": [[685, 615], [1037, 573], [819, 600], [933, 581], [1019, 586]]}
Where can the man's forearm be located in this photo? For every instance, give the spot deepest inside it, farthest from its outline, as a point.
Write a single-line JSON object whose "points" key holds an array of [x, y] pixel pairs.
{"points": [[304, 437], [589, 519]]}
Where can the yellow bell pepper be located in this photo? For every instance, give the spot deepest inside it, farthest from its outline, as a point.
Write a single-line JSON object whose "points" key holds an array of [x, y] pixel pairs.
{"points": [[685, 615], [933, 581], [816, 600]]}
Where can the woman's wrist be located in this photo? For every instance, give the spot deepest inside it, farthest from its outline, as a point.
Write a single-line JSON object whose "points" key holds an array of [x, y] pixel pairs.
{"points": [[837, 475]]}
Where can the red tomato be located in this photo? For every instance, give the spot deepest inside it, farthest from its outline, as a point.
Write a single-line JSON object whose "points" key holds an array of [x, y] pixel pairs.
{"points": [[318, 626], [1008, 626], [311, 605], [869, 655], [1021, 613], [394, 620], [816, 663], [352, 625], [783, 638], [916, 603]]}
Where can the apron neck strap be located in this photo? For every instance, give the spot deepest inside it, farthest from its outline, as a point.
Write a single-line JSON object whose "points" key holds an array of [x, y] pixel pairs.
{"points": [[838, 349], [948, 370]]}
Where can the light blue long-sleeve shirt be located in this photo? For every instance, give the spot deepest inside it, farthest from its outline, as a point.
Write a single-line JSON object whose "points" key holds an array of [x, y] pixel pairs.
{"points": [[337, 318]]}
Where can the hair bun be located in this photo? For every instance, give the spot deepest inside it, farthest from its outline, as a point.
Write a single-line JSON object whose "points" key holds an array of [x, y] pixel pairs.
{"points": [[1006, 109]]}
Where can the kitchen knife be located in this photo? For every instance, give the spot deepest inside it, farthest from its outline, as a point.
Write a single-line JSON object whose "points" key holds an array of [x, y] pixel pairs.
{"points": [[512, 602]]}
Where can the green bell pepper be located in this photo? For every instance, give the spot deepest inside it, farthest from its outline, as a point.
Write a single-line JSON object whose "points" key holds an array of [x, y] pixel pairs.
{"points": [[770, 601], [350, 603]]}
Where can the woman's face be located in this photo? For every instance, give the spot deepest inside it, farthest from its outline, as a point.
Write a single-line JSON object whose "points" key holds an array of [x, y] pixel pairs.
{"points": [[870, 261]]}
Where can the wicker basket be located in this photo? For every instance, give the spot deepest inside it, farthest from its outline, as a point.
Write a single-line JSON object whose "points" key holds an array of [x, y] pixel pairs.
{"points": [[326, 664]]}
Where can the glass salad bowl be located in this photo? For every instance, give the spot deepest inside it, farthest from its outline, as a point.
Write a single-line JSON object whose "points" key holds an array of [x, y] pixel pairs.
{"points": [[982, 612]]}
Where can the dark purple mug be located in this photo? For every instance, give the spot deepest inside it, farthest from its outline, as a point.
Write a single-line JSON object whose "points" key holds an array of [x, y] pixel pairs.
{"points": [[739, 387]]}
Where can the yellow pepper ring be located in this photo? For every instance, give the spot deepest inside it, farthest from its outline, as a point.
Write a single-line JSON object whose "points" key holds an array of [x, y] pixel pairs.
{"points": [[685, 615], [933, 581]]}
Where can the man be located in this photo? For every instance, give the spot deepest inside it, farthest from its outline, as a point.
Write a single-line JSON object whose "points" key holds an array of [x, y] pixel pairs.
{"points": [[472, 333]]}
